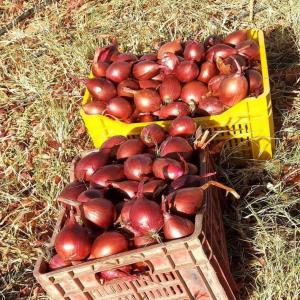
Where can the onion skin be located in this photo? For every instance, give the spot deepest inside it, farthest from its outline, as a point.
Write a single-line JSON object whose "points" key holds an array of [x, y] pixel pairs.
{"points": [[109, 243], [186, 181], [168, 168], [146, 216], [228, 65], [176, 227], [149, 84], [152, 186], [130, 148], [172, 47], [108, 173], [120, 108], [100, 88], [182, 126], [169, 61], [173, 146], [219, 50], [90, 194], [145, 69], [255, 82], [112, 144], [100, 211], [129, 83], [56, 262], [147, 100], [210, 106], [249, 49], [236, 37], [89, 164], [126, 57], [173, 110], [72, 190], [208, 70], [152, 135], [149, 56], [129, 187], [138, 166], [118, 71], [105, 54], [99, 68], [94, 108], [146, 117], [124, 215], [72, 242], [212, 40], [193, 92], [122, 272], [194, 51], [140, 241], [214, 84], [186, 71], [170, 89]]}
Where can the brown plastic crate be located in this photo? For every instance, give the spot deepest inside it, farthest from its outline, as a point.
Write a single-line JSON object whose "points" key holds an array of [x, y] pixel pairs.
{"points": [[195, 267]]}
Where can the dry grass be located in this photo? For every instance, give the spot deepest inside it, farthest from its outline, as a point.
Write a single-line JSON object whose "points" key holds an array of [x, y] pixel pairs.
{"points": [[43, 132]]}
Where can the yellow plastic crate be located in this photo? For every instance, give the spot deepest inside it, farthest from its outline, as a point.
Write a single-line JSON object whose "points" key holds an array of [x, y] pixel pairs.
{"points": [[247, 126]]}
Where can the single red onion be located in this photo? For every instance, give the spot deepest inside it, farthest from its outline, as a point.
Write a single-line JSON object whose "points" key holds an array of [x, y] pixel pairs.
{"points": [[210, 106], [182, 126], [94, 107], [212, 40], [173, 110], [171, 47], [138, 166], [173, 146], [152, 135], [193, 92], [118, 71], [249, 49], [149, 84], [120, 108], [145, 69], [236, 37], [170, 89], [186, 71], [255, 81], [128, 83], [126, 57], [194, 51], [219, 50], [207, 71]]}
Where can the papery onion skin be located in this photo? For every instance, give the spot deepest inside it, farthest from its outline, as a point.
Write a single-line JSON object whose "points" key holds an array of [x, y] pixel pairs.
{"points": [[182, 126], [118, 71], [89, 164], [186, 181], [129, 83], [145, 69], [255, 81], [236, 37], [99, 69], [214, 84], [149, 84], [249, 49], [192, 92], [210, 106], [194, 51], [90, 194], [129, 148], [186, 71], [108, 173], [149, 56], [119, 273], [170, 89], [94, 107], [212, 40], [207, 71], [173, 146], [169, 61], [120, 108], [138, 166], [100, 211], [168, 168], [219, 50], [100, 88], [172, 47], [173, 110], [228, 66], [109, 243], [56, 262]]}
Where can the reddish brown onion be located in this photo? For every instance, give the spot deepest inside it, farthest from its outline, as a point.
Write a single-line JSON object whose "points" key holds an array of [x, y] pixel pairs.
{"points": [[152, 186], [168, 168], [249, 48], [194, 51], [138, 166], [212, 40], [172, 47], [210, 106], [120, 108], [186, 71], [72, 190], [121, 272], [255, 82], [129, 187], [145, 69], [129, 148], [94, 107], [173, 146], [169, 61], [182, 126], [228, 66], [129, 83], [219, 50], [214, 84], [143, 241], [99, 68], [236, 37], [149, 84], [193, 92], [118, 71], [152, 135], [149, 56], [111, 145], [173, 110], [56, 262], [207, 71], [126, 57], [170, 89], [90, 194]]}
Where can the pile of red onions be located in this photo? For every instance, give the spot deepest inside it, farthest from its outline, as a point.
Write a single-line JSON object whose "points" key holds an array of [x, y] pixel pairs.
{"points": [[132, 193], [182, 78]]}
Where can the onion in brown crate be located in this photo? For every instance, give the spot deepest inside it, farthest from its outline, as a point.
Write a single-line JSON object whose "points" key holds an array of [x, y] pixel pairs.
{"points": [[194, 51], [152, 135], [56, 262], [109, 243], [118, 71], [214, 84], [145, 69], [210, 106], [149, 84], [129, 83], [119, 107], [207, 71], [186, 71], [219, 50], [170, 89], [126, 57], [173, 146], [172, 47], [72, 190], [236, 37], [101, 60], [119, 273], [193, 92], [255, 82], [173, 110], [182, 126], [106, 174], [89, 164], [129, 148], [94, 107], [212, 40], [99, 69], [138, 166], [89, 194], [144, 241], [249, 49]]}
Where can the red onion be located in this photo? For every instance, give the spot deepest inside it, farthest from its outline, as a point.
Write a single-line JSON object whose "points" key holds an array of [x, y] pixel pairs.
{"points": [[169, 61], [170, 89], [138, 166], [186, 71], [145, 69], [173, 146], [249, 49], [207, 71], [129, 83], [106, 174], [120, 108], [228, 66], [143, 241], [194, 51], [72, 242], [112, 144], [153, 186], [94, 107], [152, 135], [193, 92], [219, 50], [124, 215], [105, 53], [99, 68], [236, 37], [90, 194], [129, 187], [109, 243], [56, 262], [100, 88], [121, 272], [159, 77], [129, 148], [146, 216], [126, 57], [149, 56], [100, 211], [214, 84], [89, 164], [72, 190], [172, 47], [168, 168], [182, 126], [212, 40], [118, 71], [146, 117], [173, 110], [210, 106], [255, 82], [186, 181], [149, 84]]}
